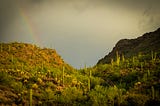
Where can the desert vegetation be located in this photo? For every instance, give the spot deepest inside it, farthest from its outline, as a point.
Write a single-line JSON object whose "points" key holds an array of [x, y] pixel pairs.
{"points": [[32, 76]]}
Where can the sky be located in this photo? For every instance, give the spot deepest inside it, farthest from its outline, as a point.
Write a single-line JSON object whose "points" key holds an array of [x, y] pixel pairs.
{"points": [[81, 31]]}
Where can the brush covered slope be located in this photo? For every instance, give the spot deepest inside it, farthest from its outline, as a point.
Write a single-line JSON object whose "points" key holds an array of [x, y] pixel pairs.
{"points": [[33, 76], [130, 47], [25, 66], [29, 56], [130, 81]]}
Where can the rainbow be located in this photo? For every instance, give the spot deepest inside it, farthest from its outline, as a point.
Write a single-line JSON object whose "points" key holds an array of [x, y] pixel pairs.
{"points": [[27, 22]]}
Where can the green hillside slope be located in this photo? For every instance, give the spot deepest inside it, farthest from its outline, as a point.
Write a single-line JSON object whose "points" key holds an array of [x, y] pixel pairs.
{"points": [[30, 75]]}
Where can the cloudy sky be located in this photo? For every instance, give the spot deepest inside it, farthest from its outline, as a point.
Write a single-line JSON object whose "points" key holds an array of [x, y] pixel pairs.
{"points": [[82, 31]]}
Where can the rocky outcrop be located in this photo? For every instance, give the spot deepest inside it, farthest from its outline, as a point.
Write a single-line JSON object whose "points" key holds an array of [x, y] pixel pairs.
{"points": [[129, 47]]}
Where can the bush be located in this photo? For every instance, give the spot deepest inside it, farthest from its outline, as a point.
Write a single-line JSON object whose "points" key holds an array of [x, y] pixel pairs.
{"points": [[96, 81], [71, 95], [130, 79], [18, 86], [98, 96], [5, 79], [136, 99], [102, 96]]}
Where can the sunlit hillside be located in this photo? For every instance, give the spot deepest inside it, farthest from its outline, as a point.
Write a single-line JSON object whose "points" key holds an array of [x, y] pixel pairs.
{"points": [[79, 52], [30, 75], [27, 56]]}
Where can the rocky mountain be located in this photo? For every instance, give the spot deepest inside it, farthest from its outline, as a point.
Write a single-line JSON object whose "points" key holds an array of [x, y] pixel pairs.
{"points": [[130, 47]]}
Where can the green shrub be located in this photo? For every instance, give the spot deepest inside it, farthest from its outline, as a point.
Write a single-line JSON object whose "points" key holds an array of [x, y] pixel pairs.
{"points": [[130, 79], [71, 95], [18, 86], [5, 79], [96, 81], [98, 96], [136, 99]]}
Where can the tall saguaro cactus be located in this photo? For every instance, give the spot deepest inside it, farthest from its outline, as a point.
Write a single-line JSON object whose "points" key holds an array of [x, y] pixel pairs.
{"points": [[22, 66], [148, 73], [1, 48], [153, 92], [30, 97], [123, 58], [89, 84], [90, 73], [141, 66], [9, 48], [42, 66], [12, 58], [112, 63], [63, 75], [153, 56], [89, 80], [133, 60], [118, 58]]}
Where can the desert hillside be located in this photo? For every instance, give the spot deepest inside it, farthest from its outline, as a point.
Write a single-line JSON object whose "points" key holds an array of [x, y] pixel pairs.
{"points": [[130, 47]]}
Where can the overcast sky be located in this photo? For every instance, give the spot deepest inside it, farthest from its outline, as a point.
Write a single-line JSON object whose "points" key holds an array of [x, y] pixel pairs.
{"points": [[82, 31]]}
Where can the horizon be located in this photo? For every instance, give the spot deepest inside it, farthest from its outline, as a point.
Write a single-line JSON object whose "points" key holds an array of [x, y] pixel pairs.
{"points": [[82, 32]]}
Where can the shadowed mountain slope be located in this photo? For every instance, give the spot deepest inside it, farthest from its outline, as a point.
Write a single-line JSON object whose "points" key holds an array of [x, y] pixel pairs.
{"points": [[130, 47]]}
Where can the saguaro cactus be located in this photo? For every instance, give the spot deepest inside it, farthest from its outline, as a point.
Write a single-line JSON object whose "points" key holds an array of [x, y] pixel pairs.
{"points": [[118, 58], [63, 75], [1, 48], [9, 48], [89, 84], [12, 58], [141, 66], [89, 80], [42, 66], [123, 59], [153, 92], [30, 97], [153, 55], [148, 73], [112, 63], [133, 60], [22, 65]]}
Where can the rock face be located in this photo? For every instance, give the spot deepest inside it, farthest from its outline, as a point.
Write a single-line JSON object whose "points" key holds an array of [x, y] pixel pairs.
{"points": [[129, 47]]}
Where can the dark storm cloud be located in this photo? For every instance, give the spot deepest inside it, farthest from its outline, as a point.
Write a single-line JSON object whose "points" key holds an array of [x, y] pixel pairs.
{"points": [[7, 7], [150, 16], [6, 16]]}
